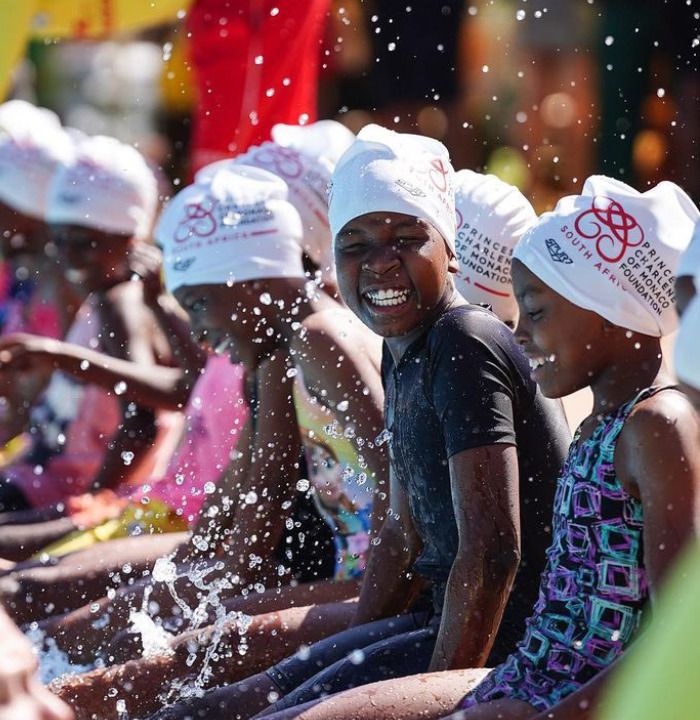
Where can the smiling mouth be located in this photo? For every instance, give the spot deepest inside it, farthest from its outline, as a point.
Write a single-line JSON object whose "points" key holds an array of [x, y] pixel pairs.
{"points": [[391, 297]]}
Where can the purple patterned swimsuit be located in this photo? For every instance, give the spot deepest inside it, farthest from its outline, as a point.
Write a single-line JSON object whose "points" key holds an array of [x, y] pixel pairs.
{"points": [[594, 586]]}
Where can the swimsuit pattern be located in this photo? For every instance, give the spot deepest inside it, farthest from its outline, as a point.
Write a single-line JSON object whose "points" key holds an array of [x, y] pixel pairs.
{"points": [[594, 586]]}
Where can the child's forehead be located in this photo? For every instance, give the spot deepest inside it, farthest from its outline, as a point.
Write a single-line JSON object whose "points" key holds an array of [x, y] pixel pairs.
{"points": [[392, 220]]}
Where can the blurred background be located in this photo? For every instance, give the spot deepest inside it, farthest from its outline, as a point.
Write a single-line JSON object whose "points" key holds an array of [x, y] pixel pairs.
{"points": [[539, 92]]}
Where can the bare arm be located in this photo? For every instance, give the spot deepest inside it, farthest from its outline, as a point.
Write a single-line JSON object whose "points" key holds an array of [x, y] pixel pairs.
{"points": [[257, 515], [151, 385], [388, 586], [128, 330], [485, 497], [340, 361]]}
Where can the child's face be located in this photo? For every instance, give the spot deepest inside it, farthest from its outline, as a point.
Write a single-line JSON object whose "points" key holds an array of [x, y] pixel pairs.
{"points": [[393, 271], [225, 319], [565, 344], [20, 233], [93, 258]]}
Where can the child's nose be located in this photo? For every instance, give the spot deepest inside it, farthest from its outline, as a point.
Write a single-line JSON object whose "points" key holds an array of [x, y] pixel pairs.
{"points": [[381, 261]]}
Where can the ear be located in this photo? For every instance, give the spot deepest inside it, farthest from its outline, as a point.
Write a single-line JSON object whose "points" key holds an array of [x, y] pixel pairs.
{"points": [[452, 264]]}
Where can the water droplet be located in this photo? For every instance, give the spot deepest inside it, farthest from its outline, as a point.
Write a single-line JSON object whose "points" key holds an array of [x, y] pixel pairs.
{"points": [[209, 488], [303, 485], [356, 657], [291, 372], [484, 68], [120, 388], [259, 59], [343, 405], [609, 40], [520, 15], [660, 92], [84, 365], [266, 298], [383, 437], [251, 498]]}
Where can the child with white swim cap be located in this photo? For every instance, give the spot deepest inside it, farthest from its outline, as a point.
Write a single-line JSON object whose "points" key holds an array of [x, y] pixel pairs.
{"points": [[99, 206]]}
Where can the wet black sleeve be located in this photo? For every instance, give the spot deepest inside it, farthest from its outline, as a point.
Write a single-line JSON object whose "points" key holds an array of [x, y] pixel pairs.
{"points": [[472, 381]]}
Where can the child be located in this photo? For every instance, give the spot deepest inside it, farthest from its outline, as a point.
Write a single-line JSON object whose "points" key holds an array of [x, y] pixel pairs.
{"points": [[32, 146], [627, 496], [659, 676], [233, 260], [100, 207]]}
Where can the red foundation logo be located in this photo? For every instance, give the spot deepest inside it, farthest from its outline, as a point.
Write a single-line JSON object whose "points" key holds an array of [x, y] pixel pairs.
{"points": [[199, 221], [613, 229], [285, 162], [438, 174]]}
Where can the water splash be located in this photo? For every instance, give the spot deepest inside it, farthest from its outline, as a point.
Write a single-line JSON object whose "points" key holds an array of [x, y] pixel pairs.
{"points": [[53, 662]]}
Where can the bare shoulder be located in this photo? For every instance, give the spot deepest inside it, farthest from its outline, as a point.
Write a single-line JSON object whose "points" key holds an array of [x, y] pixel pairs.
{"points": [[665, 414], [126, 296], [338, 331], [659, 438]]}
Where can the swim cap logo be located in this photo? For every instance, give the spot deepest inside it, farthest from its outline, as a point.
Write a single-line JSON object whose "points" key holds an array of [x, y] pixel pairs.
{"points": [[199, 221], [438, 174], [613, 229], [556, 253], [284, 162]]}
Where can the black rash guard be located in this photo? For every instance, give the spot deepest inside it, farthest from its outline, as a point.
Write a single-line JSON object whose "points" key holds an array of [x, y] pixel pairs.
{"points": [[466, 384]]}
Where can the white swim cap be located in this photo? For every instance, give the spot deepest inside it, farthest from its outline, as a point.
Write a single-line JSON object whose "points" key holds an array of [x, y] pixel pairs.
{"points": [[33, 145], [491, 217], [109, 187], [231, 226], [615, 251], [304, 157], [386, 171]]}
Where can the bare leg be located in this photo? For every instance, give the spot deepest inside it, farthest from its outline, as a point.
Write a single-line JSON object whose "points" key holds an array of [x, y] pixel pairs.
{"points": [[420, 697], [33, 515], [35, 591], [232, 702], [143, 683], [103, 623], [126, 645], [19, 542]]}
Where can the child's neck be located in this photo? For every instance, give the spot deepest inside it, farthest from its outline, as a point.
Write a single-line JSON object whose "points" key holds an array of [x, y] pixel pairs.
{"points": [[399, 344], [640, 368]]}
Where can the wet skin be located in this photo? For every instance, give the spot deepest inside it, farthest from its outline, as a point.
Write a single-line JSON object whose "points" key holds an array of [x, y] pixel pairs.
{"points": [[380, 253], [97, 259]]}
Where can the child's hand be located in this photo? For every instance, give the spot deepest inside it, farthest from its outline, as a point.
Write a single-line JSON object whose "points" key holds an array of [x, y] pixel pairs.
{"points": [[21, 694], [147, 262], [22, 352]]}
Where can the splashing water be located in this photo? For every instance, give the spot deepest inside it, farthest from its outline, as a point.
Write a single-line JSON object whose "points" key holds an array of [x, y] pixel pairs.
{"points": [[156, 640], [53, 662]]}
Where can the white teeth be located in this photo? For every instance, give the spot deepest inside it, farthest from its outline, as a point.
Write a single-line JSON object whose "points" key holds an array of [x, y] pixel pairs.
{"points": [[385, 298]]}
